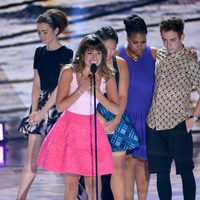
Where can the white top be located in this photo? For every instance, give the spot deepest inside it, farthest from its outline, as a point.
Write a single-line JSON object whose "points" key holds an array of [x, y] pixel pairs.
{"points": [[85, 103]]}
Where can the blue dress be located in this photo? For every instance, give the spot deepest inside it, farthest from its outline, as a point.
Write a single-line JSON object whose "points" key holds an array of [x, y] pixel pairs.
{"points": [[124, 136], [140, 94]]}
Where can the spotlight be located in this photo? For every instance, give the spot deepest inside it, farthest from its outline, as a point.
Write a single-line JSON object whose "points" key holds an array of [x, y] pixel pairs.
{"points": [[2, 155], [2, 132]]}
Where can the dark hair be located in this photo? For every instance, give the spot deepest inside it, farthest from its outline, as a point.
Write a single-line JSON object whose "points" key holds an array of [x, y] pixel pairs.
{"points": [[91, 42], [55, 18], [172, 24], [135, 24], [107, 33]]}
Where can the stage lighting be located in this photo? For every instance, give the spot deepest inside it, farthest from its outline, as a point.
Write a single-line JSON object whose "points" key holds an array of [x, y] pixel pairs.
{"points": [[2, 155], [2, 132]]}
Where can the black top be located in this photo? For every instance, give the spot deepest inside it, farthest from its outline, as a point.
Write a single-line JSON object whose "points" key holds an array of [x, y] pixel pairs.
{"points": [[49, 64]]}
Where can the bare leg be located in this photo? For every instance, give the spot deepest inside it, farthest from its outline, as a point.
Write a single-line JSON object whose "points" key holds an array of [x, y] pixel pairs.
{"points": [[71, 186], [142, 178], [90, 185], [130, 167], [30, 166], [118, 176]]}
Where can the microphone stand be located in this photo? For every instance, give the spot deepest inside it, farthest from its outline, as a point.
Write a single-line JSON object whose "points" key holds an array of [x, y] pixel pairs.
{"points": [[93, 70]]}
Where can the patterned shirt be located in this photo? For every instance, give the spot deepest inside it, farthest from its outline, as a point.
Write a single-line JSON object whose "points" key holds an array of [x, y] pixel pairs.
{"points": [[175, 76]]}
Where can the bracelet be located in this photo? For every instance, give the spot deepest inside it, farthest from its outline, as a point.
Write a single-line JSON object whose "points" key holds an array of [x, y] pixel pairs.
{"points": [[104, 123], [79, 91]]}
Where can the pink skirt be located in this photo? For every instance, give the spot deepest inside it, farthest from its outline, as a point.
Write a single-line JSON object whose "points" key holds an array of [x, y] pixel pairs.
{"points": [[70, 147]]}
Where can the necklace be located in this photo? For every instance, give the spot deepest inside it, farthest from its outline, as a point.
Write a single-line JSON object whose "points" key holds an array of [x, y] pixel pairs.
{"points": [[131, 55]]}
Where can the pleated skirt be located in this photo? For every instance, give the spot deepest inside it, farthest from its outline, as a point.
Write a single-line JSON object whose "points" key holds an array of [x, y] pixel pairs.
{"points": [[70, 147]]}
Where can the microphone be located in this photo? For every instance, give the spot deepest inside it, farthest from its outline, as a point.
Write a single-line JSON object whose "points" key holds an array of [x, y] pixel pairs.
{"points": [[93, 68]]}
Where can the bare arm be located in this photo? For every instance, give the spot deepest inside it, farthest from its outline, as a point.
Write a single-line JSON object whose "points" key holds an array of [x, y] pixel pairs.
{"points": [[123, 94], [194, 74], [63, 99], [51, 101], [196, 112], [35, 91], [123, 86], [37, 115], [112, 103]]}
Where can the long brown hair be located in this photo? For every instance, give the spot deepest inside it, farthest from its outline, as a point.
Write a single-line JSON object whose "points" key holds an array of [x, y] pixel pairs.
{"points": [[91, 42]]}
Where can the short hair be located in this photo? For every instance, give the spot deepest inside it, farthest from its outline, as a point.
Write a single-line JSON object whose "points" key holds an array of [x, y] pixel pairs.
{"points": [[55, 18], [135, 24], [107, 33], [91, 42], [172, 24]]}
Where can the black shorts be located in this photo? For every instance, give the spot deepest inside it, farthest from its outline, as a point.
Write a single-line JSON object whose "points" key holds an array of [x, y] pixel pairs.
{"points": [[167, 145]]}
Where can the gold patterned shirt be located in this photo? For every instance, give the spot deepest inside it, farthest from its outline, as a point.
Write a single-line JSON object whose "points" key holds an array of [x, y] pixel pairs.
{"points": [[175, 76]]}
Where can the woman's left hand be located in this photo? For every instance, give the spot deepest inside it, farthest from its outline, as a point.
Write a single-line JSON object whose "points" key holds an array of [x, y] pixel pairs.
{"points": [[110, 126], [36, 117]]}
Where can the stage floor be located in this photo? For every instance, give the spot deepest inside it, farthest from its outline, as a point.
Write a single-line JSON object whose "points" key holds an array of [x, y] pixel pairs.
{"points": [[48, 185]]}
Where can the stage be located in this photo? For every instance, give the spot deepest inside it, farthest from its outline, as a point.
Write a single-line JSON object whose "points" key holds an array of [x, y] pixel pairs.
{"points": [[48, 185], [19, 40]]}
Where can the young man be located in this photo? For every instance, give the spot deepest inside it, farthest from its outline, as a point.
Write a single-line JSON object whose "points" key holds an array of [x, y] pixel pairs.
{"points": [[169, 126]]}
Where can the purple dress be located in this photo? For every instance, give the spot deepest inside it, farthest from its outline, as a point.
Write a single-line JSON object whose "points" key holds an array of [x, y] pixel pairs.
{"points": [[140, 93]]}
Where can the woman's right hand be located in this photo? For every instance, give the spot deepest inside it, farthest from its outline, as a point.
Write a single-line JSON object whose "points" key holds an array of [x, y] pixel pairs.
{"points": [[85, 84]]}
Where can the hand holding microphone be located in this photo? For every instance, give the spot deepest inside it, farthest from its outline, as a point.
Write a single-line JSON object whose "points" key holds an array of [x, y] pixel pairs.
{"points": [[85, 84], [88, 82]]}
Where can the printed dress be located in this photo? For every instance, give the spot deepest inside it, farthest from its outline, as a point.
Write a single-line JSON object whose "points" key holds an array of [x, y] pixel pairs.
{"points": [[140, 93], [48, 64], [70, 145]]}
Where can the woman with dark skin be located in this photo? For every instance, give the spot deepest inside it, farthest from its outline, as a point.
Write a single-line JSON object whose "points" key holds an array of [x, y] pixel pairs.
{"points": [[140, 58], [39, 119]]}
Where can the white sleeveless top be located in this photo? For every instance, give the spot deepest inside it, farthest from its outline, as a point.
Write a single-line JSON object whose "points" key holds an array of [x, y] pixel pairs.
{"points": [[85, 103]]}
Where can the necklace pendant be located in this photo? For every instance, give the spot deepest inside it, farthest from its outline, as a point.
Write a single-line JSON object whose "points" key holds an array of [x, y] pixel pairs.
{"points": [[135, 59]]}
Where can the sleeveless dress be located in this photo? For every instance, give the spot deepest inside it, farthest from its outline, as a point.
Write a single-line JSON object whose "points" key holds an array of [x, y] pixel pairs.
{"points": [[70, 145], [140, 93], [48, 65], [124, 136]]}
